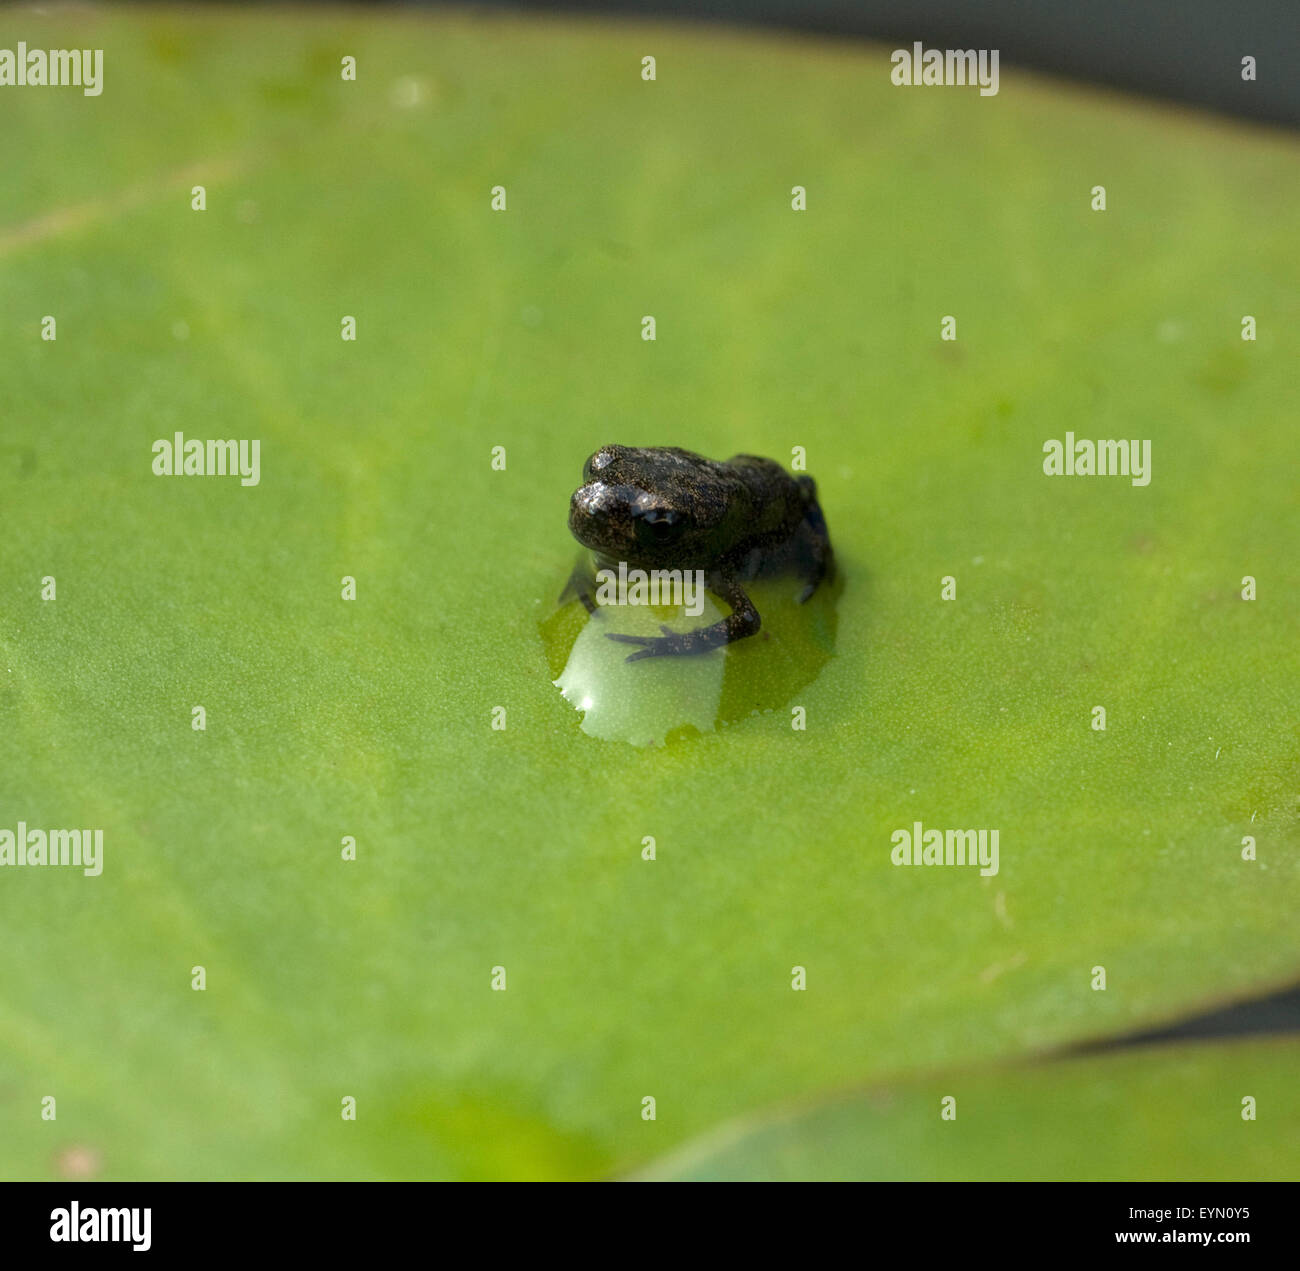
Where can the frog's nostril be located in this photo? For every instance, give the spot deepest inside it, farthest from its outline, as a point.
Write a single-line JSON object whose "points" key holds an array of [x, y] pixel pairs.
{"points": [[581, 508], [591, 499]]}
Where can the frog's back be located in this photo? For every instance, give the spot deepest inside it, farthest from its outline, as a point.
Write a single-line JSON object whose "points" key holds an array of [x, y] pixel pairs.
{"points": [[775, 500], [757, 463]]}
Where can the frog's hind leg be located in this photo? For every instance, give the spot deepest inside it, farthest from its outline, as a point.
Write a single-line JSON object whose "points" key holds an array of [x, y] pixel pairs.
{"points": [[741, 622], [582, 584], [816, 558]]}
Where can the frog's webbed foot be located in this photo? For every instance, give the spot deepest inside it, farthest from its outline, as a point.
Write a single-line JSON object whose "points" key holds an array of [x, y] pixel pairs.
{"points": [[818, 560], [742, 621], [651, 646], [581, 584]]}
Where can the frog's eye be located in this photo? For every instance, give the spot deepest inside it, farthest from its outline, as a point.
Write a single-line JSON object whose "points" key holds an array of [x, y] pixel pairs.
{"points": [[658, 525]]}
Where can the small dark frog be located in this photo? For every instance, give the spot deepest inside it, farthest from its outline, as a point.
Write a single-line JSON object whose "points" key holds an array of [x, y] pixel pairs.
{"points": [[662, 508]]}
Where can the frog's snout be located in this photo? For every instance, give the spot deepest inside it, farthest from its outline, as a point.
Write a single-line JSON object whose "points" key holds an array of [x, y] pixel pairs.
{"points": [[585, 509]]}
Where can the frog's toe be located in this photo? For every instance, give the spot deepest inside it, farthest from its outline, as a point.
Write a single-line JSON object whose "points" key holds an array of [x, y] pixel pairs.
{"points": [[651, 646], [644, 641]]}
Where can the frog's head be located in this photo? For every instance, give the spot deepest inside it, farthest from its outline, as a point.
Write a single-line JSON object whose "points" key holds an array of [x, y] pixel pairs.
{"points": [[651, 506]]}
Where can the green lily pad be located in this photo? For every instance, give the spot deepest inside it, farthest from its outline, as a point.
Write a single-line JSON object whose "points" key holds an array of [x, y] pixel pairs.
{"points": [[1206, 1112], [372, 718]]}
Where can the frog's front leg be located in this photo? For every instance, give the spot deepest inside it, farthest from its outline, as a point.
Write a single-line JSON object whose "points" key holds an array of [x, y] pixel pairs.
{"points": [[742, 621], [582, 584]]}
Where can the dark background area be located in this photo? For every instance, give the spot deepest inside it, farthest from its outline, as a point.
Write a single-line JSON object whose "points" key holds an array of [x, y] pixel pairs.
{"points": [[1183, 50]]}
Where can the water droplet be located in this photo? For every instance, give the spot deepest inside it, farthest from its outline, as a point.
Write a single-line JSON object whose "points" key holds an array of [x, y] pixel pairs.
{"points": [[661, 700]]}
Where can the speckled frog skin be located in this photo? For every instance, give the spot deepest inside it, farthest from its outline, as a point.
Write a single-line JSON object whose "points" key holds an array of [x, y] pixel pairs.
{"points": [[659, 507]]}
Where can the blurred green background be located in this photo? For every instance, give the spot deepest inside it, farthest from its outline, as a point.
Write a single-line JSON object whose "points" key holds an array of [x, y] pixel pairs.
{"points": [[521, 848]]}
